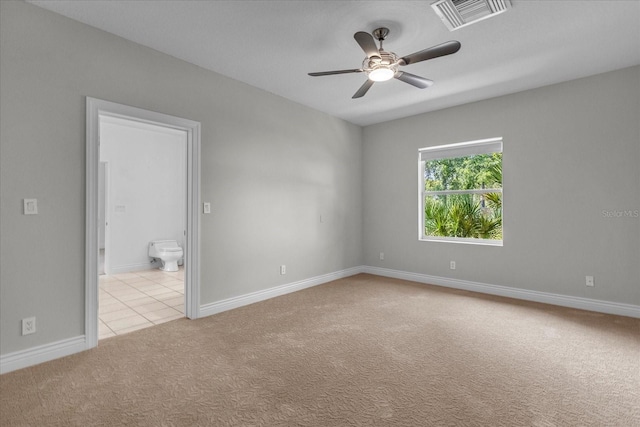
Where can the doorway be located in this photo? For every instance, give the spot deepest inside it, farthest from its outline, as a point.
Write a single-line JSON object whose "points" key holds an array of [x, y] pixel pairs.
{"points": [[100, 111], [144, 200]]}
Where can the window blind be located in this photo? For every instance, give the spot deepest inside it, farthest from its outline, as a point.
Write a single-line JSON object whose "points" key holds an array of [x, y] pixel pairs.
{"points": [[463, 149]]}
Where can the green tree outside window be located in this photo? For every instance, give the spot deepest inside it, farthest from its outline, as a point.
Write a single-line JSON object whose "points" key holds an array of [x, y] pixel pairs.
{"points": [[463, 197]]}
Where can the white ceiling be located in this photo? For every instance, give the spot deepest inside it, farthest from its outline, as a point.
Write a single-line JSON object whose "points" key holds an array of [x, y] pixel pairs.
{"points": [[272, 45]]}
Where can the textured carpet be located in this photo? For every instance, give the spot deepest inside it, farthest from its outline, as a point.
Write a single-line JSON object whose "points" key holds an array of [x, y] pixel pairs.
{"points": [[362, 351]]}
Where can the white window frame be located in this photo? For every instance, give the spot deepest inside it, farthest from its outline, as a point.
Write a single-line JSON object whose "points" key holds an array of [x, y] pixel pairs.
{"points": [[461, 149]]}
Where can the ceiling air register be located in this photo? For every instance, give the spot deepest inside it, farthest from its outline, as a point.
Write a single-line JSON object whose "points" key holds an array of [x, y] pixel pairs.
{"points": [[460, 13]]}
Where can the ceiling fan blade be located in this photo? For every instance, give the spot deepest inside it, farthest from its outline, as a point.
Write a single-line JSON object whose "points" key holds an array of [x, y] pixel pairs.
{"points": [[446, 48], [412, 79], [330, 73], [366, 42], [363, 89]]}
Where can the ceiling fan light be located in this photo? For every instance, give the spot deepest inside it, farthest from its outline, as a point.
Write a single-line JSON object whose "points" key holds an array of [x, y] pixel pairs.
{"points": [[381, 74]]}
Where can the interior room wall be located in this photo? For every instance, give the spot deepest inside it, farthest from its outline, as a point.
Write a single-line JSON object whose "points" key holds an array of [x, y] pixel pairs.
{"points": [[289, 185], [147, 189], [571, 189], [270, 169]]}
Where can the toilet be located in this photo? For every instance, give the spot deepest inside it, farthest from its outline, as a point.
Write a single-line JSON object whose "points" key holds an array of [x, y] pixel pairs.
{"points": [[167, 251]]}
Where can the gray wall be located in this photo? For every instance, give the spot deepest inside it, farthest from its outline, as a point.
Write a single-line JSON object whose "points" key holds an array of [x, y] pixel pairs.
{"points": [[571, 160], [270, 167]]}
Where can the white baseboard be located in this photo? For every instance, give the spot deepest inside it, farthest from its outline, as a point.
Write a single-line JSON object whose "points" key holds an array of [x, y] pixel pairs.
{"points": [[242, 300], [128, 268], [505, 291], [43, 353]]}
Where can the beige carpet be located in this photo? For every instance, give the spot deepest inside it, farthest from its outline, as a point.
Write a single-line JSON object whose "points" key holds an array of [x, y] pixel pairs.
{"points": [[362, 351]]}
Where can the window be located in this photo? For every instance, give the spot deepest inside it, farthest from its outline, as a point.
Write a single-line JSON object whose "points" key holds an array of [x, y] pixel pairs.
{"points": [[460, 191]]}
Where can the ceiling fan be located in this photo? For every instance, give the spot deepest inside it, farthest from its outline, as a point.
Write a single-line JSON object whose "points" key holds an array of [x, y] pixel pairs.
{"points": [[381, 65]]}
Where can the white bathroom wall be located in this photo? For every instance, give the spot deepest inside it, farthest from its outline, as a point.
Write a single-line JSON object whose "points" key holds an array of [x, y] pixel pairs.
{"points": [[146, 191]]}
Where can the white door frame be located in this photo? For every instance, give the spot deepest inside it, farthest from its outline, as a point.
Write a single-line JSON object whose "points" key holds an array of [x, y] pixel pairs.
{"points": [[96, 108], [106, 217]]}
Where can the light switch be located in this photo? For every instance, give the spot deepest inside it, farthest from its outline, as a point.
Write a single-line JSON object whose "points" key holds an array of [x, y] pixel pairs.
{"points": [[207, 207], [30, 206]]}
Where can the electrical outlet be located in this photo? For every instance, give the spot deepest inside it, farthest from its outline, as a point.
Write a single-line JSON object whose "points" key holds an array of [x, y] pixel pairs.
{"points": [[29, 326], [590, 282], [381, 255], [452, 265], [206, 207], [30, 206], [283, 269]]}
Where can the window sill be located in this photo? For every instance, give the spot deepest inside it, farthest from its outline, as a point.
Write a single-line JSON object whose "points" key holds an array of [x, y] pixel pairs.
{"points": [[461, 240]]}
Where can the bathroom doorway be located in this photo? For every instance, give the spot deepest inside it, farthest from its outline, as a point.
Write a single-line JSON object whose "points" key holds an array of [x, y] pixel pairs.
{"points": [[138, 192], [143, 166]]}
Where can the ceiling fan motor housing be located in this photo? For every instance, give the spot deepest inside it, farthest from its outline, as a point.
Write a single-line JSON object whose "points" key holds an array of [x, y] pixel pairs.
{"points": [[386, 60]]}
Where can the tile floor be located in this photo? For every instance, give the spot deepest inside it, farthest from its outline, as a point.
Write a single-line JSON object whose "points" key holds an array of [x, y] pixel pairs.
{"points": [[132, 301]]}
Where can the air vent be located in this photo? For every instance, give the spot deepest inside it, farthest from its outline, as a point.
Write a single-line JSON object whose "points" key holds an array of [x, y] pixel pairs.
{"points": [[460, 13]]}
